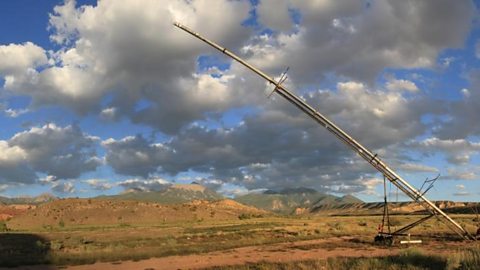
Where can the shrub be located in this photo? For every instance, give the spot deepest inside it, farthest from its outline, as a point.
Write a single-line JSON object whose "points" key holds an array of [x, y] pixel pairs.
{"points": [[3, 226], [244, 216]]}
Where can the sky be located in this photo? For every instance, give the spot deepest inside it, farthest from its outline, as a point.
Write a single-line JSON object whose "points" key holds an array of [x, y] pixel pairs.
{"points": [[102, 97]]}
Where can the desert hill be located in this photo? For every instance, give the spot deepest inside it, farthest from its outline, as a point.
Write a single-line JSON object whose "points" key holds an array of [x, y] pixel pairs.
{"points": [[171, 195], [193, 203], [294, 200], [7, 211], [10, 207], [309, 201], [104, 212], [376, 208], [174, 194]]}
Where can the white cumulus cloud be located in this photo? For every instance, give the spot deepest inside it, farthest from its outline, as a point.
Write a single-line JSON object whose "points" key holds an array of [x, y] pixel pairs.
{"points": [[59, 152]]}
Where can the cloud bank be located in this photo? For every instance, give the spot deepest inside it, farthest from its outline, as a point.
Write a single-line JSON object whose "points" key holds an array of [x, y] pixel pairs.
{"points": [[124, 61]]}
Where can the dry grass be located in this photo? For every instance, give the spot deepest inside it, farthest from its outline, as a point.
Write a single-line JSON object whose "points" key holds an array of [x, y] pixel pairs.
{"points": [[410, 259], [80, 244]]}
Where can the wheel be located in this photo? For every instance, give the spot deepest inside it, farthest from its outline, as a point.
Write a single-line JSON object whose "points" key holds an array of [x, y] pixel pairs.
{"points": [[385, 240], [389, 241], [378, 239]]}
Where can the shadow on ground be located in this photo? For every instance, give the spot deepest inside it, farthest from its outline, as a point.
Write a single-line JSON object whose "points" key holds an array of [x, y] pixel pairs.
{"points": [[19, 249]]}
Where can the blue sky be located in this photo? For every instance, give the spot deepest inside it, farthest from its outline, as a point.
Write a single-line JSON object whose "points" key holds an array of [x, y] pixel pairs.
{"points": [[99, 98]]}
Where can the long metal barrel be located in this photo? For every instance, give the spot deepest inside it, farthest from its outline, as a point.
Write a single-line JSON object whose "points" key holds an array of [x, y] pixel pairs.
{"points": [[371, 158]]}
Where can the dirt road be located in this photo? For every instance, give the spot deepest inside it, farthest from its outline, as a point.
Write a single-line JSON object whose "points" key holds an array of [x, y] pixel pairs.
{"points": [[301, 250]]}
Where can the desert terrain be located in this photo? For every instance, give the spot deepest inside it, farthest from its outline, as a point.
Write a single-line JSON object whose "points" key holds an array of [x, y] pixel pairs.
{"points": [[287, 230]]}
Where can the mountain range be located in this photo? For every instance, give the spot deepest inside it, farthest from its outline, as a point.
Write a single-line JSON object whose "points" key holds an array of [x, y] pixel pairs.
{"points": [[294, 200], [284, 201], [173, 194], [42, 198]]}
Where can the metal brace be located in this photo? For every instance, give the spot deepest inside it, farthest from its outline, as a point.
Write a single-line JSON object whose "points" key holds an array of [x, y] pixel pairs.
{"points": [[283, 78]]}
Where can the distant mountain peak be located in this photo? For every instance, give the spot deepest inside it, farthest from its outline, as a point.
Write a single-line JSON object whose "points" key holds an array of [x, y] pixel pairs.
{"points": [[175, 193], [45, 197], [191, 187], [286, 191], [292, 200], [350, 199], [42, 198]]}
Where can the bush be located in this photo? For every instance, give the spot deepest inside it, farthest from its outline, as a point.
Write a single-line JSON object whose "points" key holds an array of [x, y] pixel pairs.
{"points": [[244, 216], [3, 226], [248, 216], [338, 226]]}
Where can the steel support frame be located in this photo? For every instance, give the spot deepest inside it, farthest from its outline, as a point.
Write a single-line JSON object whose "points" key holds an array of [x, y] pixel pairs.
{"points": [[362, 151]]}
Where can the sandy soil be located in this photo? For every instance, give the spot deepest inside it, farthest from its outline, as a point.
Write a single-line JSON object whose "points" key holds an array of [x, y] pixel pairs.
{"points": [[301, 250]]}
